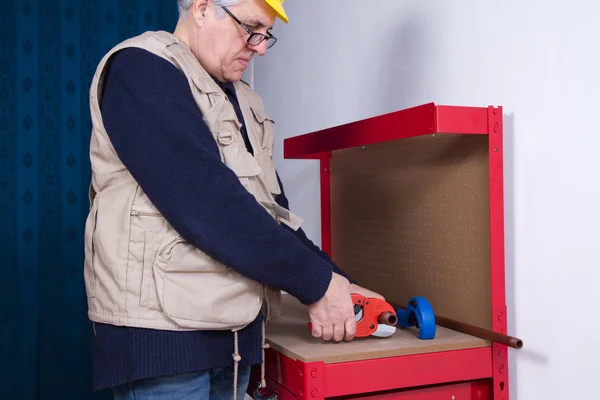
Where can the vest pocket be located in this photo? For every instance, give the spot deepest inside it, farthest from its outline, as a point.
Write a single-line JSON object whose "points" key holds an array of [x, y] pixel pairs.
{"points": [[270, 177], [237, 158], [89, 274], [147, 227], [273, 304], [197, 292], [265, 126], [235, 155], [148, 297]]}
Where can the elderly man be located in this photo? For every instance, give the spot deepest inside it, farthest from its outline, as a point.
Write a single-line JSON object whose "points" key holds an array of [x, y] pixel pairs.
{"points": [[189, 240]]}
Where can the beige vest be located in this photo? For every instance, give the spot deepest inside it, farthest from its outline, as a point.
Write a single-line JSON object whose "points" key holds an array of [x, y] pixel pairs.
{"points": [[138, 270]]}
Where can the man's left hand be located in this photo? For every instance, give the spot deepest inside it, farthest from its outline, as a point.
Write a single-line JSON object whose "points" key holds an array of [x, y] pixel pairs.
{"points": [[354, 288]]}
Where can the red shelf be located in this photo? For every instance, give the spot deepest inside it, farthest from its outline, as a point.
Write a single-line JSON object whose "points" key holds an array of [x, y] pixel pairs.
{"points": [[425, 119], [478, 373], [295, 379]]}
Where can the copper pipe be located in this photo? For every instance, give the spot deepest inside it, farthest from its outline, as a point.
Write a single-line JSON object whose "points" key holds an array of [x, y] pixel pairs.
{"points": [[487, 334], [482, 333], [388, 318]]}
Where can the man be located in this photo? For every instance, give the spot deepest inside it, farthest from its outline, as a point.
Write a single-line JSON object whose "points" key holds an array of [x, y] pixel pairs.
{"points": [[189, 239]]}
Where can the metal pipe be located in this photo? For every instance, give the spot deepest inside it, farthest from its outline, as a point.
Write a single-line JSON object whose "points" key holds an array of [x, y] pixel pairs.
{"points": [[487, 334], [388, 318], [482, 333]]}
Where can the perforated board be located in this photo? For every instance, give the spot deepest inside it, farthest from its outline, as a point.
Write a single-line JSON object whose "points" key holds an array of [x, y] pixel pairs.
{"points": [[411, 218]]}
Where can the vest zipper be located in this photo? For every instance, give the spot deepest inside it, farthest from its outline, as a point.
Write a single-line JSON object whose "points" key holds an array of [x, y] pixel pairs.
{"points": [[169, 247], [136, 213]]}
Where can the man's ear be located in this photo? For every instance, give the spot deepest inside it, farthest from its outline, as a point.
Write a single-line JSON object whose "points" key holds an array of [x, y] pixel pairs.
{"points": [[199, 11]]}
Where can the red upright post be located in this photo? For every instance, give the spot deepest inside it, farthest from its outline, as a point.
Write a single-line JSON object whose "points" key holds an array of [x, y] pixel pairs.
{"points": [[326, 204], [497, 277]]}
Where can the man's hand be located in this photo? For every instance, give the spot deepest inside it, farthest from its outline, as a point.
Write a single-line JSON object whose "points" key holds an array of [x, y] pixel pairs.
{"points": [[333, 315], [364, 292]]}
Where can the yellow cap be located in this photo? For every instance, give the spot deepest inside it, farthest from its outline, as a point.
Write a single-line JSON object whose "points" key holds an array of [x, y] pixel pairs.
{"points": [[277, 5]]}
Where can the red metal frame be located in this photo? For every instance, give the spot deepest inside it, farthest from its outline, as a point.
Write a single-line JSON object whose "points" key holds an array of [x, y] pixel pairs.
{"points": [[325, 204], [317, 380], [476, 390], [415, 121], [417, 370], [473, 390], [497, 276], [480, 373]]}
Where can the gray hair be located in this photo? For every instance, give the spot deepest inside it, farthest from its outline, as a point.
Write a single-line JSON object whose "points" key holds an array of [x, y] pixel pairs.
{"points": [[184, 6]]}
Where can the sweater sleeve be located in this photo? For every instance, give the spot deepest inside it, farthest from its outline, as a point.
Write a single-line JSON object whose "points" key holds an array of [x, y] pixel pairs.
{"points": [[158, 132], [283, 201]]}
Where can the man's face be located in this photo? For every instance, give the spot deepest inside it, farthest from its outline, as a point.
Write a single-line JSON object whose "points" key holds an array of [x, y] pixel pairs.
{"points": [[221, 44]]}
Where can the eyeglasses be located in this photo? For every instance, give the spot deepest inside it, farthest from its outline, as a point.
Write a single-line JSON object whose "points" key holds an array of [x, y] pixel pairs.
{"points": [[255, 38]]}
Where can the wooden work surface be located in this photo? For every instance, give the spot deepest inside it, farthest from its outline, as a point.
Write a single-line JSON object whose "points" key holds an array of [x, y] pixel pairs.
{"points": [[290, 336]]}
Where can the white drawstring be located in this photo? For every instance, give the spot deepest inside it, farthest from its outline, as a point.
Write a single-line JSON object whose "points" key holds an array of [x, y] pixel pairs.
{"points": [[263, 382], [236, 359]]}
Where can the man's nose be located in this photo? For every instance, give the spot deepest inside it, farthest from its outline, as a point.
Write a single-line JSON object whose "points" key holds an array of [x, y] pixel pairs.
{"points": [[261, 48]]}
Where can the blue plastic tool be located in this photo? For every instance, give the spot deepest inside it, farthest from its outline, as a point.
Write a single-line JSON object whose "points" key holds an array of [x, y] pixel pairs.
{"points": [[418, 313]]}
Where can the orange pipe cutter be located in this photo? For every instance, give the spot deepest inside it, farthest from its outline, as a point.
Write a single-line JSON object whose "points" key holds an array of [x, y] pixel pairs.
{"points": [[375, 317]]}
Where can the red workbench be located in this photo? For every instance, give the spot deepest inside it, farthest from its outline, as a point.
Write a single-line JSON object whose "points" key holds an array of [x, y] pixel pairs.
{"points": [[411, 205]]}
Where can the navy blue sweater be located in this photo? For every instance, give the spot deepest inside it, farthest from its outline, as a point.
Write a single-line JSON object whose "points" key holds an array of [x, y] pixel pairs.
{"points": [[159, 134]]}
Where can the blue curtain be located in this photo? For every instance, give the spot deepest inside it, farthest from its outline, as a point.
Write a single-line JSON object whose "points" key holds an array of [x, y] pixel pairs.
{"points": [[50, 49]]}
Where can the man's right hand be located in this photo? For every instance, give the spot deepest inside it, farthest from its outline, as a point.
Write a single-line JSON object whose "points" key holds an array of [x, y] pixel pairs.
{"points": [[333, 315]]}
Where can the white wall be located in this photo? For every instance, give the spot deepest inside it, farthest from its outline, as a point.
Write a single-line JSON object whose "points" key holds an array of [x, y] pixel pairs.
{"points": [[344, 60]]}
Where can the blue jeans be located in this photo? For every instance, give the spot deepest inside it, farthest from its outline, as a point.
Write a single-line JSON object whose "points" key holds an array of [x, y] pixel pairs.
{"points": [[214, 384]]}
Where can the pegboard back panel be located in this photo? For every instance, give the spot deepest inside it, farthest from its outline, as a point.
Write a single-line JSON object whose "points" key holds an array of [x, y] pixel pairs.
{"points": [[411, 218]]}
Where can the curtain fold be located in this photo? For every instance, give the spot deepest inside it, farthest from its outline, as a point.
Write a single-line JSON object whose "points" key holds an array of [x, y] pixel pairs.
{"points": [[50, 50]]}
